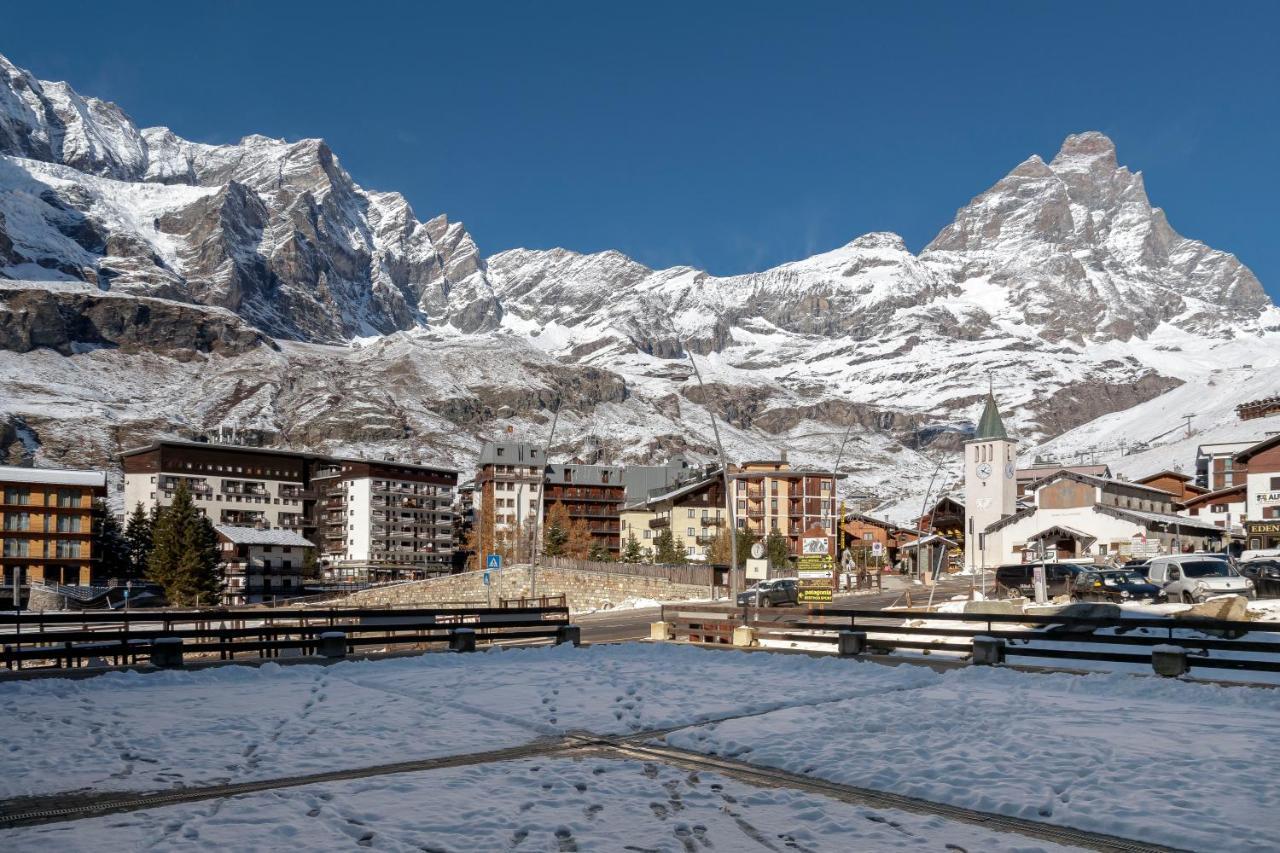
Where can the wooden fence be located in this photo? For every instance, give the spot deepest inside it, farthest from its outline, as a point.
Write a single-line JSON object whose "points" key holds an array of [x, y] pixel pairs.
{"points": [[1042, 637], [70, 639]]}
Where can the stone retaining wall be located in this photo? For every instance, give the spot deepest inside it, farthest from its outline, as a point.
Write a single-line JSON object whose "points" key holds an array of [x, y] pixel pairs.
{"points": [[583, 590]]}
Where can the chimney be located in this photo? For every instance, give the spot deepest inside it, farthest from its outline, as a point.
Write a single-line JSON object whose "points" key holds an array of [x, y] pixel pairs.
{"points": [[782, 455]]}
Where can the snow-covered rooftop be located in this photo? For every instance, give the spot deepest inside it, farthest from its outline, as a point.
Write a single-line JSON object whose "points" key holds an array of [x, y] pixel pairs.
{"points": [[256, 536], [52, 476]]}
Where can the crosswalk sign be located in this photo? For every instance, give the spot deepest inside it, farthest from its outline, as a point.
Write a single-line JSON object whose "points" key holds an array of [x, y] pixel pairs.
{"points": [[493, 561]]}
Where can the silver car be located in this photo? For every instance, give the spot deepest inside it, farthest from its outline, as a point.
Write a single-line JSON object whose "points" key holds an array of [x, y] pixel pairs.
{"points": [[1192, 578]]}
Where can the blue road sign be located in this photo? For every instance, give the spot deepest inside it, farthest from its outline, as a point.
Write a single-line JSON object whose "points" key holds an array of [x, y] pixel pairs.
{"points": [[486, 578], [493, 561]]}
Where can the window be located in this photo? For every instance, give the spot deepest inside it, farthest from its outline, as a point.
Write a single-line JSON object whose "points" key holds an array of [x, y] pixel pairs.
{"points": [[773, 504], [68, 549], [68, 524], [604, 476], [17, 521], [689, 531], [16, 496], [1218, 508], [648, 534], [1275, 484], [17, 548]]}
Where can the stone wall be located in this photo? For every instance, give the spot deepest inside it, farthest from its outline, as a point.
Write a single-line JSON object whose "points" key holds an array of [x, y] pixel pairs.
{"points": [[583, 590]]}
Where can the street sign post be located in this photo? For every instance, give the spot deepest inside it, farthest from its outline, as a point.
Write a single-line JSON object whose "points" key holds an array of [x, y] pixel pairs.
{"points": [[1037, 574], [493, 562], [486, 578], [877, 548]]}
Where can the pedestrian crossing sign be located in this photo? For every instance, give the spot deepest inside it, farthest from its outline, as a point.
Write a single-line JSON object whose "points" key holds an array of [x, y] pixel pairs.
{"points": [[493, 561]]}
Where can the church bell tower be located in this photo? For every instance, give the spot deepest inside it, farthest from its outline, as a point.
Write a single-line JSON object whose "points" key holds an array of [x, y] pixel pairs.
{"points": [[990, 487]]}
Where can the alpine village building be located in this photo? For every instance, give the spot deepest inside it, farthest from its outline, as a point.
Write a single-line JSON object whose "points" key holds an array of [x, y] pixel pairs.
{"points": [[368, 520], [46, 529]]}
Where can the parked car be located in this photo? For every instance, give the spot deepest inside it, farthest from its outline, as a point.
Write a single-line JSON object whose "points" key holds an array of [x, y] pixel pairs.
{"points": [[1018, 579], [1195, 577], [1115, 586], [1265, 575], [775, 593]]}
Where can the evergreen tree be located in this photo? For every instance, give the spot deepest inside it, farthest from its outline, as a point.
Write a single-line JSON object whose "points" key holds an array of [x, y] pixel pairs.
{"points": [[599, 553], [108, 544], [777, 550], [667, 549], [137, 534], [184, 553], [555, 538], [631, 552]]}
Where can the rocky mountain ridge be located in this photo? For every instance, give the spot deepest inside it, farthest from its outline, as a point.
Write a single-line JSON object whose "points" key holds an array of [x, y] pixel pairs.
{"points": [[394, 335]]}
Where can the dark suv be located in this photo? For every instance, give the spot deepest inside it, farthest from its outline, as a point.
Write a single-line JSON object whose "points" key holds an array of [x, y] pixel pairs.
{"points": [[1114, 585], [774, 593], [1018, 579], [1265, 575]]}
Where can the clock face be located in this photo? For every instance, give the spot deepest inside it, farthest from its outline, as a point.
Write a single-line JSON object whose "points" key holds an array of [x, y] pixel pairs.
{"points": [[984, 470], [1008, 470]]}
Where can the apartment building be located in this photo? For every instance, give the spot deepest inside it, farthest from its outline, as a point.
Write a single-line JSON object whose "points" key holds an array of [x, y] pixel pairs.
{"points": [[1217, 467], [507, 485], [239, 486], [46, 529], [260, 565], [693, 510], [591, 494], [772, 497], [383, 520]]}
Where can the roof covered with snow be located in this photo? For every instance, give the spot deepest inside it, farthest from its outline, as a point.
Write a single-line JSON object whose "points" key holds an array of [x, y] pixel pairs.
{"points": [[256, 536], [52, 476]]}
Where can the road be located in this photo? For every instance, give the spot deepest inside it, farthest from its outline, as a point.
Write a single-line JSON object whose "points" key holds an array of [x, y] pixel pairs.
{"points": [[618, 625]]}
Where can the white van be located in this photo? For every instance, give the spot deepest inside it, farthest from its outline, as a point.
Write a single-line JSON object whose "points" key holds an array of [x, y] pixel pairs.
{"points": [[1192, 578]]}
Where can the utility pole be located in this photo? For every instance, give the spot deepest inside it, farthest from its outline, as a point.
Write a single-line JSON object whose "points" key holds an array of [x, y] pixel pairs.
{"points": [[724, 471], [542, 494]]}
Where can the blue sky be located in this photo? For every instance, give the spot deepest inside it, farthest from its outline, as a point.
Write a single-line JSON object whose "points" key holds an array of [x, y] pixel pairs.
{"points": [[727, 136]]}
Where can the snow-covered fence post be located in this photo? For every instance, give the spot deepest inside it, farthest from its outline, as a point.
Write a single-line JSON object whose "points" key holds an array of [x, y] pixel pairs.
{"points": [[851, 643], [988, 651], [333, 645], [569, 634], [166, 653], [1169, 661], [462, 640]]}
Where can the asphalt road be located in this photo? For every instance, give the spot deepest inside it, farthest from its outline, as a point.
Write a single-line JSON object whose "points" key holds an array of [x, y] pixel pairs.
{"points": [[615, 626]]}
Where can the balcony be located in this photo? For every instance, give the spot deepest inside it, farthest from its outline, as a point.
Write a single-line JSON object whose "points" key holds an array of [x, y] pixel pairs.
{"points": [[655, 523]]}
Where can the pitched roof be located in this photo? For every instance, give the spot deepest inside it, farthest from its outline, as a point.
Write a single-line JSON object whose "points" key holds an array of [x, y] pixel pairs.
{"points": [[1099, 481], [1177, 475], [990, 425], [255, 536], [1266, 444], [1156, 518], [1039, 472], [1210, 497]]}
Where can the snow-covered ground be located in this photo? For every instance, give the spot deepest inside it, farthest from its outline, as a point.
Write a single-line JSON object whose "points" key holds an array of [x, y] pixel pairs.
{"points": [[1180, 763], [1188, 765], [593, 804]]}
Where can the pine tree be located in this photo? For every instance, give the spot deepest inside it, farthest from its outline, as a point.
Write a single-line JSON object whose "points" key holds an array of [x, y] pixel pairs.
{"points": [[184, 553], [137, 534], [667, 549], [631, 552], [599, 553], [555, 539], [109, 545]]}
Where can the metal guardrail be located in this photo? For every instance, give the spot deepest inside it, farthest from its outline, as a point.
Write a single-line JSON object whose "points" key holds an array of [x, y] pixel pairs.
{"points": [[71, 639], [822, 625]]}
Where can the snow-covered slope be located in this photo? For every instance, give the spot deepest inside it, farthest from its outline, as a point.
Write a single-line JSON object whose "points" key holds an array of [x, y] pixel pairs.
{"points": [[1061, 285]]}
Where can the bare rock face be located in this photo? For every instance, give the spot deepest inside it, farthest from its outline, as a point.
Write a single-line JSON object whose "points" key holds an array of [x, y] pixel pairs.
{"points": [[74, 321]]}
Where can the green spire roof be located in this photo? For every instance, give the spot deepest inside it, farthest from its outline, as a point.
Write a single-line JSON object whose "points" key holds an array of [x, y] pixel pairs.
{"points": [[990, 425]]}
